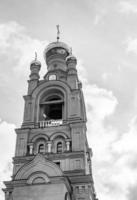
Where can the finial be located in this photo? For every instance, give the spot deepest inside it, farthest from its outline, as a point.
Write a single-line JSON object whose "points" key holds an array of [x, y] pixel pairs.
{"points": [[35, 56], [58, 33], [70, 51]]}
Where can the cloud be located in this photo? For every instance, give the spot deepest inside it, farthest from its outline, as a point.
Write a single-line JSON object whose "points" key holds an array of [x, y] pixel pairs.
{"points": [[127, 143], [126, 163], [131, 45], [114, 160], [17, 50], [106, 76], [127, 7], [100, 101], [99, 17], [133, 193], [7, 148], [100, 104], [114, 153], [18, 47]]}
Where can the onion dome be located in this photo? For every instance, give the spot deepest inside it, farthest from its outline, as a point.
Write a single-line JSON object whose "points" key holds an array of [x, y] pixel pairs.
{"points": [[35, 63], [71, 59], [56, 51], [35, 66]]}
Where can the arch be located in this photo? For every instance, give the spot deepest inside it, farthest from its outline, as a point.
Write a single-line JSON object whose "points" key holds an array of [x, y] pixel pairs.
{"points": [[59, 145], [54, 92], [37, 140], [57, 134], [39, 162], [44, 136], [67, 196], [64, 87], [38, 180], [46, 87], [38, 177], [51, 105], [41, 148], [59, 148], [40, 145]]}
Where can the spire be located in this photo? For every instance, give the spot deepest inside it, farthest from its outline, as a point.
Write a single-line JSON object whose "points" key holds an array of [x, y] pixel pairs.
{"points": [[58, 33], [70, 53], [71, 58], [35, 66], [35, 62], [35, 56]]}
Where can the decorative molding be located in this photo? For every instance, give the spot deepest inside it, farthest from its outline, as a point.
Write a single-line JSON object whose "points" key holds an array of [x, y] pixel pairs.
{"points": [[38, 177], [57, 134], [38, 164], [38, 136]]}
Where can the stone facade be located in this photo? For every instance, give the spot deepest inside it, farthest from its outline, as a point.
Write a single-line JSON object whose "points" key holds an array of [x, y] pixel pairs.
{"points": [[52, 158]]}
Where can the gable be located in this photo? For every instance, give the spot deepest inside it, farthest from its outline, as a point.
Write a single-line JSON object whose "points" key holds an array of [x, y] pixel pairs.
{"points": [[41, 165]]}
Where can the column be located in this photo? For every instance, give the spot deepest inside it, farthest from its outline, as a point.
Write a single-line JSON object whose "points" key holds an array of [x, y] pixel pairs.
{"points": [[49, 146], [6, 195], [68, 145], [31, 149]]}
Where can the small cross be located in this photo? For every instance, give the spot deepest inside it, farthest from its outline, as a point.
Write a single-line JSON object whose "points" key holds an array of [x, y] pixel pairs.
{"points": [[70, 51], [58, 33], [35, 56]]}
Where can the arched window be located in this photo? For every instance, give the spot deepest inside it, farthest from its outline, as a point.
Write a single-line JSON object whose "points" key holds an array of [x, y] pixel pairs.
{"points": [[41, 148], [40, 145], [51, 106], [59, 147]]}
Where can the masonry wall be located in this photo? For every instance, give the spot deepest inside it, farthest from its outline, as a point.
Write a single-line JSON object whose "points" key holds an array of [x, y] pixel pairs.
{"points": [[40, 192]]}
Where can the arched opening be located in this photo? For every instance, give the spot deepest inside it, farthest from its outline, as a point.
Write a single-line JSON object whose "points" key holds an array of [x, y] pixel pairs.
{"points": [[41, 148], [51, 106], [40, 145], [59, 147]]}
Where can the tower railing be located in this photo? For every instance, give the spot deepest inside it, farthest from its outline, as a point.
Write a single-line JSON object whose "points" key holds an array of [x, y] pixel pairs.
{"points": [[50, 123]]}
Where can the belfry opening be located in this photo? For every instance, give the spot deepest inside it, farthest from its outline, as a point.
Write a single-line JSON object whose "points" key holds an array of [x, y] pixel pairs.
{"points": [[51, 107]]}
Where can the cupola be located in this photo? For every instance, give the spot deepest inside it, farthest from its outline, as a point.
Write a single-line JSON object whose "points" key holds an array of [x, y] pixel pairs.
{"points": [[35, 66], [71, 59], [71, 62], [55, 55]]}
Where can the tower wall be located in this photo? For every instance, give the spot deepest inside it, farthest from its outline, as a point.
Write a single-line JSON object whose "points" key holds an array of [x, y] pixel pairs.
{"points": [[52, 157]]}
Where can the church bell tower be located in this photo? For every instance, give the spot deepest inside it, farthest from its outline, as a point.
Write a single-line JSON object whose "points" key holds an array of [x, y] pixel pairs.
{"points": [[52, 157]]}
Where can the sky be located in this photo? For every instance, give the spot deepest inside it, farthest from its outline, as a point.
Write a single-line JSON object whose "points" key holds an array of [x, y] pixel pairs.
{"points": [[103, 37]]}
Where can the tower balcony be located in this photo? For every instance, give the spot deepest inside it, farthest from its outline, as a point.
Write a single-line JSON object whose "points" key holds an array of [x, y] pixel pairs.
{"points": [[50, 123]]}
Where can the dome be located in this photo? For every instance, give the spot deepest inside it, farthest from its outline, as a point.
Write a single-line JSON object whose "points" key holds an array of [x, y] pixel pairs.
{"points": [[70, 59], [56, 50], [57, 44], [35, 62]]}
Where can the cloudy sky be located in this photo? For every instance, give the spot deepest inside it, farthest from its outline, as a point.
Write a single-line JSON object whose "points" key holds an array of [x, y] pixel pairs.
{"points": [[103, 36]]}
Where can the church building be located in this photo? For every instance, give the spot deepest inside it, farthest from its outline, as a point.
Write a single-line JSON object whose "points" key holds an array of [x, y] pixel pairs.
{"points": [[52, 158]]}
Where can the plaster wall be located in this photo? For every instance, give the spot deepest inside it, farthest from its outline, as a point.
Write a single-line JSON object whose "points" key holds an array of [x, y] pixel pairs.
{"points": [[40, 192]]}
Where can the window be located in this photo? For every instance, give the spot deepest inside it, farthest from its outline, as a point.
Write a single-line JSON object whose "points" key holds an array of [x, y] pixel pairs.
{"points": [[41, 148], [52, 107], [28, 150], [59, 147], [53, 111], [57, 163]]}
